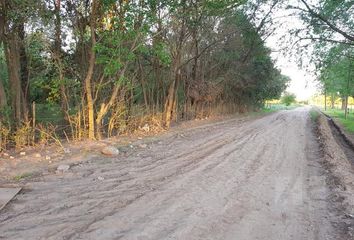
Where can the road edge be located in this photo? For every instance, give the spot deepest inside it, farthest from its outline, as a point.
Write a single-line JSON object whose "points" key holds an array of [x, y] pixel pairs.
{"points": [[348, 138], [340, 177]]}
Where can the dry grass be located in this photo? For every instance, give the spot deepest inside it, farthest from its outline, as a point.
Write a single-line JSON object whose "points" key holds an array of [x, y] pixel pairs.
{"points": [[151, 123]]}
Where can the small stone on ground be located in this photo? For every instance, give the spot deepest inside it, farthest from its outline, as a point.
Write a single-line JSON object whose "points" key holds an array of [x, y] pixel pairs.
{"points": [[63, 168], [109, 150]]}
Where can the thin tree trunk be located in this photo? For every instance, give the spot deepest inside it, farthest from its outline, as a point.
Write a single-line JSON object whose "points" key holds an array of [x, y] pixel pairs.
{"points": [[172, 92], [325, 100], [343, 103], [90, 72], [3, 99], [332, 101], [346, 107], [346, 97], [171, 97], [88, 90], [58, 57], [143, 84], [24, 74], [106, 106], [13, 67]]}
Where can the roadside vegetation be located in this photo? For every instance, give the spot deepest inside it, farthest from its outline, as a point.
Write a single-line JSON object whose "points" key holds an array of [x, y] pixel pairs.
{"points": [[346, 121], [314, 114], [281, 104], [74, 70], [333, 55], [288, 98]]}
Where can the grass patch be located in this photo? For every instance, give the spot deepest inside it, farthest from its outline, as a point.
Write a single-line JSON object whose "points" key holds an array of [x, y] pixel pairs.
{"points": [[22, 176], [314, 115], [338, 114], [278, 107], [49, 113]]}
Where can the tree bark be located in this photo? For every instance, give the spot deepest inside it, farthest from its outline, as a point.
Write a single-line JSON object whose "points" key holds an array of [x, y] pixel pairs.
{"points": [[169, 102], [332, 101], [325, 100], [24, 75], [346, 107], [175, 76], [343, 103], [106, 106], [58, 57], [143, 84], [13, 67], [12, 36], [90, 72], [3, 99]]}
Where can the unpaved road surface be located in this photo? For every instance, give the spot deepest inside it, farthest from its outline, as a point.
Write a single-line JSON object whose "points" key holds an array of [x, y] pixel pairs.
{"points": [[254, 179]]}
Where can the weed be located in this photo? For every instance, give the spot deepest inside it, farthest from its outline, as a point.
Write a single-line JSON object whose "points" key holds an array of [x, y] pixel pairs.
{"points": [[314, 114], [338, 114], [22, 176]]}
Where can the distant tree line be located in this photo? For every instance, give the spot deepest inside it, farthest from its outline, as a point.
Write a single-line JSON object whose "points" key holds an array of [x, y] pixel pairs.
{"points": [[328, 35]]}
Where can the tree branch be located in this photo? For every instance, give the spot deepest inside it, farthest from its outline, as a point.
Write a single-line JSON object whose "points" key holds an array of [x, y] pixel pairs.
{"points": [[328, 23]]}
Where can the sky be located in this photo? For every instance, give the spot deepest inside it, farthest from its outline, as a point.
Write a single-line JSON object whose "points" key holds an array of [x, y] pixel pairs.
{"points": [[303, 83]]}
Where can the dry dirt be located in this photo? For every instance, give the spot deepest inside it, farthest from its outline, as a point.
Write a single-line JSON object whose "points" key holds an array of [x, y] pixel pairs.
{"points": [[257, 179]]}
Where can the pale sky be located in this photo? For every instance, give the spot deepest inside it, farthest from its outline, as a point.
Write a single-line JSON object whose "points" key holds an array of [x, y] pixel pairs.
{"points": [[303, 83]]}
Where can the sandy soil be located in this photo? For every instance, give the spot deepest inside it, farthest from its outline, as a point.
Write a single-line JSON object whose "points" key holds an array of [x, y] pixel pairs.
{"points": [[238, 179]]}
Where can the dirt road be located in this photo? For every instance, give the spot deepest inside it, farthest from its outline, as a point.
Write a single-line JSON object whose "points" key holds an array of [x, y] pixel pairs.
{"points": [[254, 179]]}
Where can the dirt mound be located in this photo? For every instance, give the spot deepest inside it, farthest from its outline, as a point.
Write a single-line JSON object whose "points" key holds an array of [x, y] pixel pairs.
{"points": [[341, 173]]}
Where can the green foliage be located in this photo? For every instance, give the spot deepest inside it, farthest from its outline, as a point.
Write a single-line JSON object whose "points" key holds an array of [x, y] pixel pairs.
{"points": [[23, 176], [348, 123], [3, 68], [314, 114], [161, 52], [288, 98], [141, 48], [336, 74], [248, 61]]}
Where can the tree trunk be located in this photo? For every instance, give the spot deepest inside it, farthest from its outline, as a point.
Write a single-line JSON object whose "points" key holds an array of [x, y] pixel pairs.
{"points": [[172, 91], [143, 84], [13, 67], [24, 75], [332, 101], [346, 107], [3, 99], [90, 72], [156, 63], [171, 95], [343, 103], [58, 57], [325, 100], [89, 99], [106, 106]]}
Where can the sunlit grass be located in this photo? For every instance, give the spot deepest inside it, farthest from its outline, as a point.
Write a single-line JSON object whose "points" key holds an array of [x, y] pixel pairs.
{"points": [[314, 115], [22, 176], [278, 107], [338, 114]]}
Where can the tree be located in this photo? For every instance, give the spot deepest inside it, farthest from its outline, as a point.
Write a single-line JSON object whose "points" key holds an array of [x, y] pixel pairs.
{"points": [[104, 63], [336, 73], [288, 98]]}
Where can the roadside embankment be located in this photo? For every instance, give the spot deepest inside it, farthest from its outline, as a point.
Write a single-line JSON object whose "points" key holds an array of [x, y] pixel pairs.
{"points": [[338, 157]]}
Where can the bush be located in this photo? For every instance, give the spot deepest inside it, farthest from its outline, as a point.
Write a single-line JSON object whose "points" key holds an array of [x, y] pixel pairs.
{"points": [[288, 98]]}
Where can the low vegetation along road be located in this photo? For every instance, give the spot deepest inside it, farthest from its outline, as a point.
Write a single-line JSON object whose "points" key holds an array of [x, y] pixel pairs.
{"points": [[260, 178]]}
